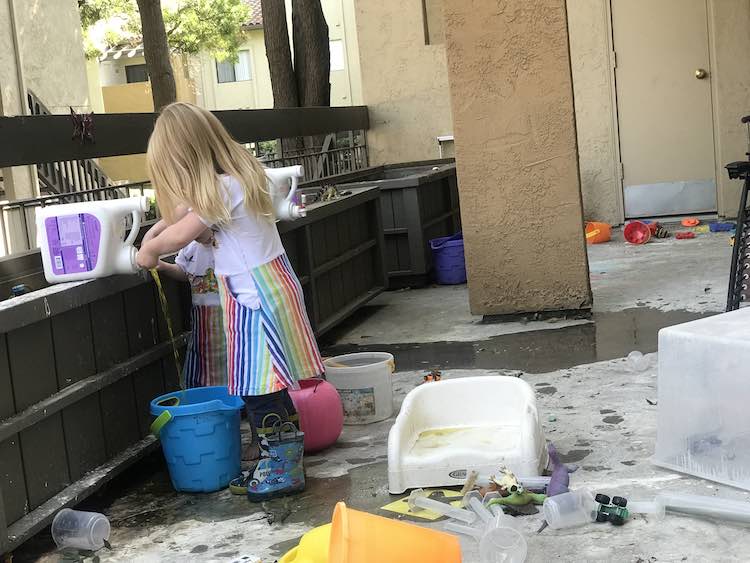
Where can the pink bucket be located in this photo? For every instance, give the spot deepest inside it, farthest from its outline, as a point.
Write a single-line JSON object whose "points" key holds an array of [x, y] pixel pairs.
{"points": [[321, 415]]}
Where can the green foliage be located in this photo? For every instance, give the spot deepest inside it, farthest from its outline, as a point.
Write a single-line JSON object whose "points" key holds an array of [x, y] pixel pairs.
{"points": [[212, 25], [94, 10], [191, 25]]}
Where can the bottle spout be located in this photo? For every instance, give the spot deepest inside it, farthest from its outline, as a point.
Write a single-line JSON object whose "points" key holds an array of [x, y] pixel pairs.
{"points": [[126, 263], [282, 193]]}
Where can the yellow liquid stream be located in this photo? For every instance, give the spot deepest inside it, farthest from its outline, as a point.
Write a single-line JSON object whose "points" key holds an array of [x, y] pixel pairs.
{"points": [[168, 319]]}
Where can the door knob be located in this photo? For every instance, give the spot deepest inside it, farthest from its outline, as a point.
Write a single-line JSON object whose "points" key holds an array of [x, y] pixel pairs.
{"points": [[700, 74]]}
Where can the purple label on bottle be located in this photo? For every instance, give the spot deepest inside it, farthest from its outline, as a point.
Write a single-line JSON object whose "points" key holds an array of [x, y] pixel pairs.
{"points": [[73, 242]]}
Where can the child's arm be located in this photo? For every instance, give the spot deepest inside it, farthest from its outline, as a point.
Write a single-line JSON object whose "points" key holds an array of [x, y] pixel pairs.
{"points": [[161, 224], [172, 270], [171, 239], [154, 231]]}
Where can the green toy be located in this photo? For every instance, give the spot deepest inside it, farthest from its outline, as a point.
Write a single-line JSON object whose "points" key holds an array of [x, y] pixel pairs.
{"points": [[614, 512], [520, 497]]}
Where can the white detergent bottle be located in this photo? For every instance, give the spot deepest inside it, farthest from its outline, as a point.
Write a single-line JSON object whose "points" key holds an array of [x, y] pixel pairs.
{"points": [[86, 240], [282, 194]]}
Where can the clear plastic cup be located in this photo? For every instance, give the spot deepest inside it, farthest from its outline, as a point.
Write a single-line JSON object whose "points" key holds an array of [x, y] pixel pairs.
{"points": [[502, 545], [571, 509], [80, 530], [654, 508]]}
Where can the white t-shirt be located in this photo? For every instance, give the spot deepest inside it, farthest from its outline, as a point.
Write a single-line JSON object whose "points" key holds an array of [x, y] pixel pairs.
{"points": [[249, 241], [197, 261]]}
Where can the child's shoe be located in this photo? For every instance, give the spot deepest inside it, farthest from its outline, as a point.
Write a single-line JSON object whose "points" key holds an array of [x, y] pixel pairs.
{"points": [[280, 471]]}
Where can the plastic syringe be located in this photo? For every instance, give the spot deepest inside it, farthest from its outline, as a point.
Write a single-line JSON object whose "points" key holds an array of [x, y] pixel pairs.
{"points": [[702, 505], [418, 501], [534, 483]]}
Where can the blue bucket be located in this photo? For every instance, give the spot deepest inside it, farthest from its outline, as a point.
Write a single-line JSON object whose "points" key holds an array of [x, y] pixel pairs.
{"points": [[200, 434], [448, 259]]}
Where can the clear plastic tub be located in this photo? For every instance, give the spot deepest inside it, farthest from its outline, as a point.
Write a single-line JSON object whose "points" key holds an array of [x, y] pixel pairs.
{"points": [[702, 417], [571, 509], [80, 530]]}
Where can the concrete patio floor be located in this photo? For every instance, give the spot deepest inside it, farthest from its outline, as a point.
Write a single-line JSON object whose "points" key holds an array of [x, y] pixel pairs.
{"points": [[593, 408]]}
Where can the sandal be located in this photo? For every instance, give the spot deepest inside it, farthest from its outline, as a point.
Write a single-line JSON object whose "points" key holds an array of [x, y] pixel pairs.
{"points": [[238, 485]]}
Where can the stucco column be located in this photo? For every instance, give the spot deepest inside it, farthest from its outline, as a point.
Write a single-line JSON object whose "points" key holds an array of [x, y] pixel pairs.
{"points": [[513, 121]]}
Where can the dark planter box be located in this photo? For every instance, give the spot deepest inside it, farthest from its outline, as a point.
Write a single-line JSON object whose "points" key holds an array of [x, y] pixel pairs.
{"points": [[79, 364], [337, 252], [419, 202]]}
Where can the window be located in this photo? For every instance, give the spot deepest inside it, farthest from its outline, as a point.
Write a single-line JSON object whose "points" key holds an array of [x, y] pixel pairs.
{"points": [[227, 71], [337, 54], [136, 73]]}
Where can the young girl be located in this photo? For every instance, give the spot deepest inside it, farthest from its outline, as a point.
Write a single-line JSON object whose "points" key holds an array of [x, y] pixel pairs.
{"points": [[193, 161], [206, 357]]}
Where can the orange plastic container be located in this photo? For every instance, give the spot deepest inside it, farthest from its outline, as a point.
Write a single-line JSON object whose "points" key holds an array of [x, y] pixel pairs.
{"points": [[636, 232], [359, 537], [596, 233]]}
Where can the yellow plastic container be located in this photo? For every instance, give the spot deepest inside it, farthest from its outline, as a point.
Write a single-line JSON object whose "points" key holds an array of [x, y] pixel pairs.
{"points": [[359, 537], [312, 548]]}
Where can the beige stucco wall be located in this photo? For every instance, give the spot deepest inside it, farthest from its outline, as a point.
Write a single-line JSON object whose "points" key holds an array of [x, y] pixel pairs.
{"points": [[592, 87], [512, 100], [52, 65], [404, 81], [730, 83], [53, 59]]}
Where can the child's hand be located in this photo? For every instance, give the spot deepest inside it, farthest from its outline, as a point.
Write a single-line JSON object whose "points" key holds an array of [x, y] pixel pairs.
{"points": [[146, 260]]}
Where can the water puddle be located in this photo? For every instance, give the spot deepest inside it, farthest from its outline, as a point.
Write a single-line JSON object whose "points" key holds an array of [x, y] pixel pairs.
{"points": [[609, 336]]}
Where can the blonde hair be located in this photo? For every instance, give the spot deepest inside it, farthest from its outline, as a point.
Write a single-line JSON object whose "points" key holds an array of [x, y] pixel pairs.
{"points": [[188, 150]]}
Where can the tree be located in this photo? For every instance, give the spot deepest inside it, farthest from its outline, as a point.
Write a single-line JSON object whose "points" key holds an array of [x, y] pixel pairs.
{"points": [[156, 52], [180, 26], [279, 54], [306, 81], [312, 57]]}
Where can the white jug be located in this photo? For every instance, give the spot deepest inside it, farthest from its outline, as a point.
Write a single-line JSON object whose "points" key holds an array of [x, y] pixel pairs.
{"points": [[86, 240], [282, 194]]}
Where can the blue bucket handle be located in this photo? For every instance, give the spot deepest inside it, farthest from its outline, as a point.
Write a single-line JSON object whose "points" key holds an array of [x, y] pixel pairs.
{"points": [[166, 415]]}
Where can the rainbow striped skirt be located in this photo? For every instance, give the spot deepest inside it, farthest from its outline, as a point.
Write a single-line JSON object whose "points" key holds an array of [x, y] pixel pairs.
{"points": [[206, 355], [272, 347]]}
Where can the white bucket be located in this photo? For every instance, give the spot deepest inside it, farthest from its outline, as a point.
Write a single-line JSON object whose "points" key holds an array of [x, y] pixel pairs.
{"points": [[363, 381]]}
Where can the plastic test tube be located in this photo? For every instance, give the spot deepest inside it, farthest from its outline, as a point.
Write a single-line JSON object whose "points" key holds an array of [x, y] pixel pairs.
{"points": [[470, 531], [537, 482], [473, 500], [702, 505], [418, 500]]}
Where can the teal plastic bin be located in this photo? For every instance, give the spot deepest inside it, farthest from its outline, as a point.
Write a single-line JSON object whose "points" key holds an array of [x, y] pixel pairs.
{"points": [[200, 435]]}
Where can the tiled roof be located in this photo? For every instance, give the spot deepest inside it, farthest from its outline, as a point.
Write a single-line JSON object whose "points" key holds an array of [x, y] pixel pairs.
{"points": [[256, 16]]}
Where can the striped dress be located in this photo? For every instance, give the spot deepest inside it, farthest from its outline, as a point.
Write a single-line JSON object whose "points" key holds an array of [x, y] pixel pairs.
{"points": [[270, 347], [270, 344], [206, 356]]}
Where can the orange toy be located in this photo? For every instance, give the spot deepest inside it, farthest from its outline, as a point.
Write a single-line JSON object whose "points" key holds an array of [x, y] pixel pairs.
{"points": [[359, 537], [690, 222], [636, 232], [597, 233]]}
